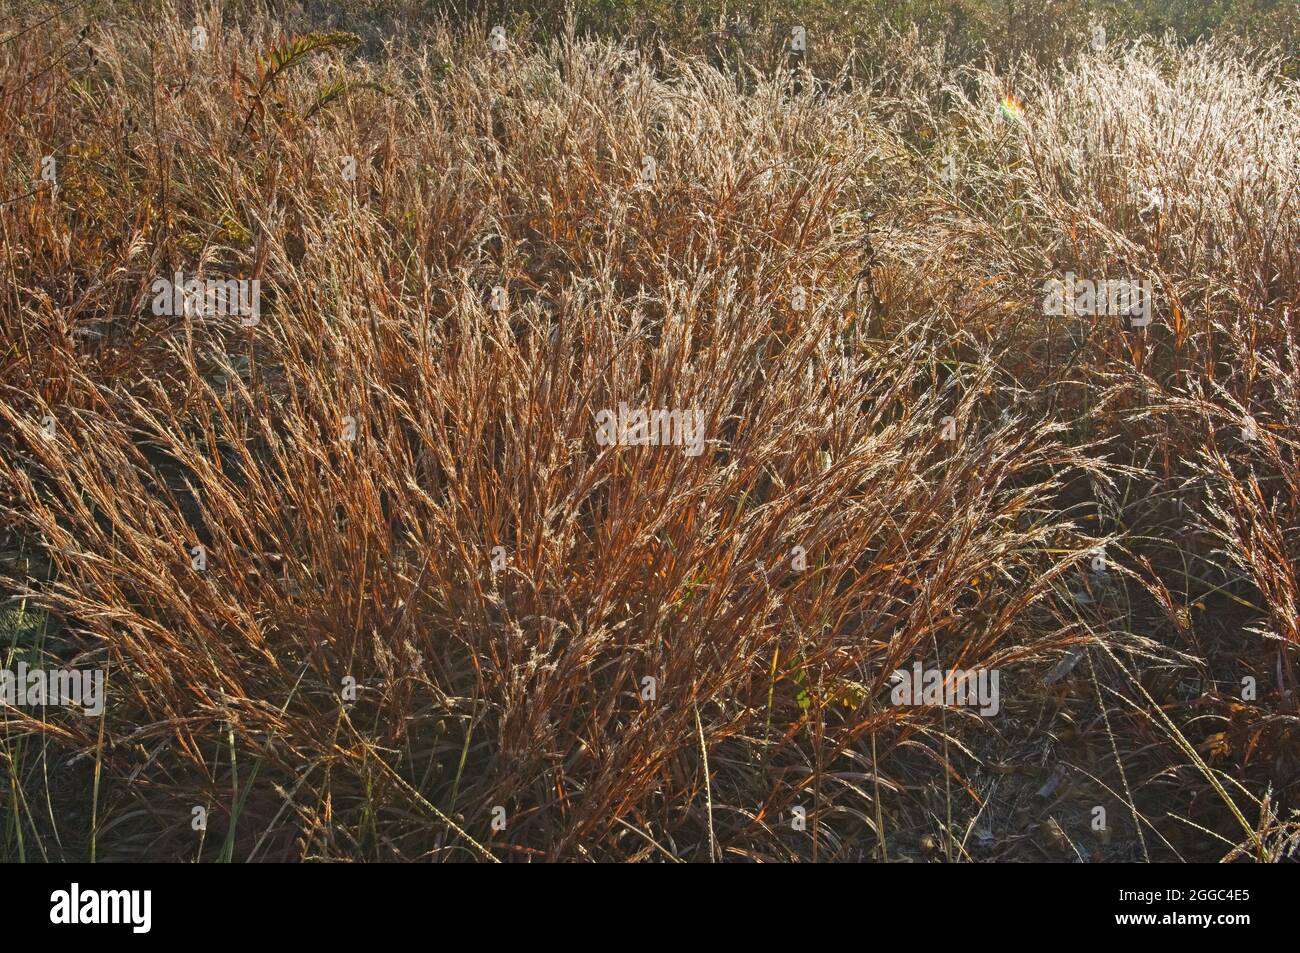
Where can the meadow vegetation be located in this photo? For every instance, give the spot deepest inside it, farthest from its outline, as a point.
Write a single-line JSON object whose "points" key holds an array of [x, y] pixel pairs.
{"points": [[428, 591]]}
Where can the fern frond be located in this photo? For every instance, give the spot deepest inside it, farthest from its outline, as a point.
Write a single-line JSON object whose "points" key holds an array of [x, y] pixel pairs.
{"points": [[299, 49]]}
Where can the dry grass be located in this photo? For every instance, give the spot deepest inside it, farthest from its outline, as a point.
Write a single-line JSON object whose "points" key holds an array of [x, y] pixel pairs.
{"points": [[331, 559]]}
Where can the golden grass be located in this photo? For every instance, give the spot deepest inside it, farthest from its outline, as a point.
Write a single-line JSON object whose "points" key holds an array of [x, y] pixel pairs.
{"points": [[332, 559]]}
